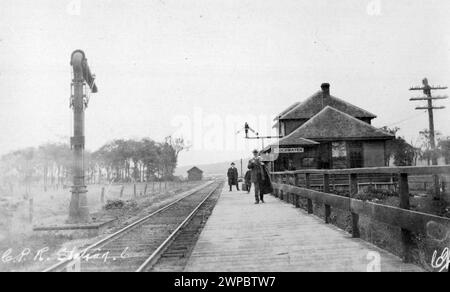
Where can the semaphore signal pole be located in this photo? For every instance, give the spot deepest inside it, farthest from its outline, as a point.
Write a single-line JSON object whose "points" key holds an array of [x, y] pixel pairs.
{"points": [[426, 88], [247, 129]]}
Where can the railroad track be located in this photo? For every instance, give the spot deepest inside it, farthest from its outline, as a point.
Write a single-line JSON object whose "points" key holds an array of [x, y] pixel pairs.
{"points": [[176, 256], [138, 246]]}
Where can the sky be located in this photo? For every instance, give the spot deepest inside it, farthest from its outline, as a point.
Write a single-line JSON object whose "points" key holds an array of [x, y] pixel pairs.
{"points": [[200, 69]]}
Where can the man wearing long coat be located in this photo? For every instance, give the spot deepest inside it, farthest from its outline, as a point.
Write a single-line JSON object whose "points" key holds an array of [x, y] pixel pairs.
{"points": [[248, 181], [259, 177], [233, 177]]}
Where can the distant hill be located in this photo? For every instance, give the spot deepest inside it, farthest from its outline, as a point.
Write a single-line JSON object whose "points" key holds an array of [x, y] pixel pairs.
{"points": [[214, 169]]}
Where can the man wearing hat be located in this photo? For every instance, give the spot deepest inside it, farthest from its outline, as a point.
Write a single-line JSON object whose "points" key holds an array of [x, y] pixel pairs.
{"points": [[233, 176], [255, 165]]}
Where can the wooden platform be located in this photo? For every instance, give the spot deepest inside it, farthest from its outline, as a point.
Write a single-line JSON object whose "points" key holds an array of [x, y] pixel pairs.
{"points": [[276, 237]]}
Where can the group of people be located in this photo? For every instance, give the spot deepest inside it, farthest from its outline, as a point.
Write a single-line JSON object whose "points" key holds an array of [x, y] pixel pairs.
{"points": [[257, 175]]}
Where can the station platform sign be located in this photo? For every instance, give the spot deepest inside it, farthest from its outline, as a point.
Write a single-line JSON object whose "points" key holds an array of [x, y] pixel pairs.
{"points": [[279, 150]]}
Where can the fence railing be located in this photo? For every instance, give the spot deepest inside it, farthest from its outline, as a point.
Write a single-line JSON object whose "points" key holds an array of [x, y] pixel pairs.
{"points": [[286, 187]]}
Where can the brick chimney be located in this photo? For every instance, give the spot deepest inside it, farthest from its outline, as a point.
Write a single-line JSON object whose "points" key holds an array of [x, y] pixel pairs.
{"points": [[325, 93], [325, 89]]}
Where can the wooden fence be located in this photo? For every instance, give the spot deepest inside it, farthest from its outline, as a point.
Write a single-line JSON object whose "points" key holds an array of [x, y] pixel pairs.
{"points": [[287, 186]]}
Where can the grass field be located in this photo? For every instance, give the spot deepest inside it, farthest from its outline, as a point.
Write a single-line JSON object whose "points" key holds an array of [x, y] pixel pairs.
{"points": [[51, 207]]}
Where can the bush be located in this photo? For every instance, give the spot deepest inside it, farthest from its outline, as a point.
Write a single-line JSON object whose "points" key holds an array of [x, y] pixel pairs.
{"points": [[114, 204], [119, 204], [374, 194]]}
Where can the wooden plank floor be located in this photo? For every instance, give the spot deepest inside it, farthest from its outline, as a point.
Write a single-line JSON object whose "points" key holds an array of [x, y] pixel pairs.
{"points": [[277, 237]]}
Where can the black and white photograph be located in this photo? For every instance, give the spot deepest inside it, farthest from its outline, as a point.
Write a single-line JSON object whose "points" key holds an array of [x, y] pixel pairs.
{"points": [[224, 143]]}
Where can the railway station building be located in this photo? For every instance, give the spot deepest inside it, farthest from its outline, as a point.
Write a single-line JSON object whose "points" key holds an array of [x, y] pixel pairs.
{"points": [[326, 132]]}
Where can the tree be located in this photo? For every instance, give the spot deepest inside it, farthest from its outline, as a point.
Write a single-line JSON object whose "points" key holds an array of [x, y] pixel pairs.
{"points": [[170, 150], [444, 149], [149, 157], [121, 160], [402, 152], [178, 144], [426, 152], [53, 159]]}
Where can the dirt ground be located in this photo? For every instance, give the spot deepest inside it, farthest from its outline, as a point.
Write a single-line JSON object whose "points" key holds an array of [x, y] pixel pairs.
{"points": [[22, 249]]}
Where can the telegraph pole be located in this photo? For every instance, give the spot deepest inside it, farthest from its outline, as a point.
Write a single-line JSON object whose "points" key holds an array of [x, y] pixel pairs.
{"points": [[426, 88], [78, 210]]}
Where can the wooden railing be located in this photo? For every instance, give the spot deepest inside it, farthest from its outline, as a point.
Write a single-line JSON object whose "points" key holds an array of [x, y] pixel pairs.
{"points": [[286, 187]]}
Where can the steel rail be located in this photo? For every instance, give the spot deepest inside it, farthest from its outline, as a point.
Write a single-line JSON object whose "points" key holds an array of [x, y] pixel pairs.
{"points": [[155, 255], [56, 267]]}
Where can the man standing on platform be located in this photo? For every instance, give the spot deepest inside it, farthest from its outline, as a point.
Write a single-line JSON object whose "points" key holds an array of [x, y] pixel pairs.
{"points": [[256, 166], [233, 176], [248, 181]]}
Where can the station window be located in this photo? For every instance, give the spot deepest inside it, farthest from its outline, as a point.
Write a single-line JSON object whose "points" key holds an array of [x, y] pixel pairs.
{"points": [[338, 150], [308, 162], [339, 155]]}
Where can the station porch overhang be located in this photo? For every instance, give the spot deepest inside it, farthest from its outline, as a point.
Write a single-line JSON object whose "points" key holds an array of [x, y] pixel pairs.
{"points": [[327, 154]]}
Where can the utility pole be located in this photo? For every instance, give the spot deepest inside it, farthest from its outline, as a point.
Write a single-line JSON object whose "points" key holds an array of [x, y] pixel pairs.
{"points": [[426, 88], [78, 210]]}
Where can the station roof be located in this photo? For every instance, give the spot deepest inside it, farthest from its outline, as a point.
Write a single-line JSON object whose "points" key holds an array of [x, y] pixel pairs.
{"points": [[195, 168], [314, 104], [333, 124], [287, 110], [292, 142]]}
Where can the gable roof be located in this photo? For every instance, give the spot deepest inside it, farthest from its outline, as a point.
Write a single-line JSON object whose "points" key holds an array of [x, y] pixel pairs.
{"points": [[298, 141], [195, 168], [314, 104], [292, 106], [333, 124]]}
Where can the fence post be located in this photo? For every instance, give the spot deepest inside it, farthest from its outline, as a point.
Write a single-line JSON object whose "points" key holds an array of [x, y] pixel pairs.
{"points": [[280, 181], [277, 180], [121, 191], [102, 196], [296, 183], [274, 180], [404, 204], [353, 192], [333, 182], [307, 186], [134, 190], [326, 189], [436, 187], [292, 195], [289, 194], [145, 190]]}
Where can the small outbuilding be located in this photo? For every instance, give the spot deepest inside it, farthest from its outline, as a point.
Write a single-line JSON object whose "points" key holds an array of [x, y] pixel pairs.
{"points": [[195, 174]]}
